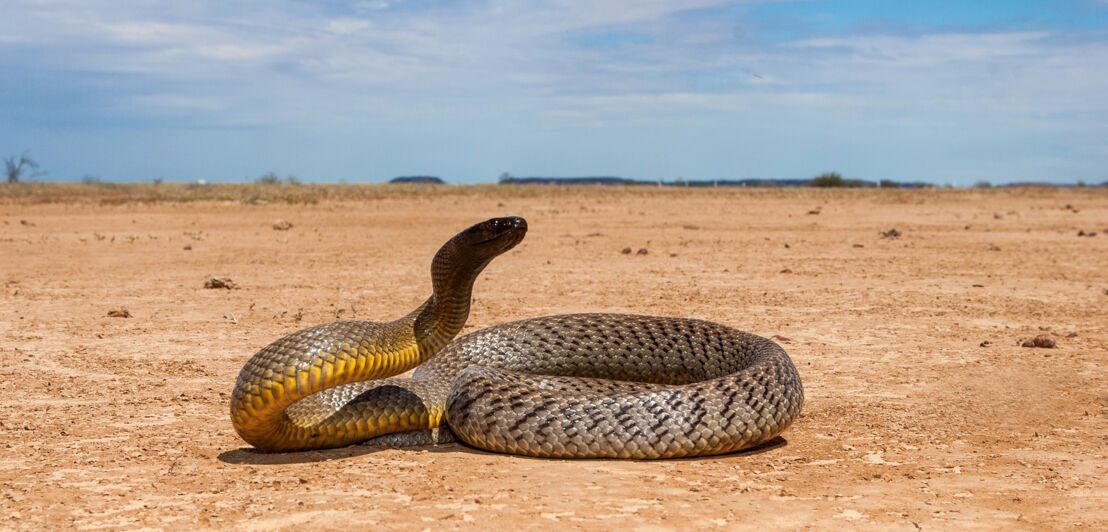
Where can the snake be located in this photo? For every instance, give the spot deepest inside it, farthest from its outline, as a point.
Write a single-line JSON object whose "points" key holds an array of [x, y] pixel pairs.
{"points": [[563, 386]]}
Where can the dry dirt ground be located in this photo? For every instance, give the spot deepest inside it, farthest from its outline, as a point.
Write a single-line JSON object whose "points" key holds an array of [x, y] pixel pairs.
{"points": [[923, 411]]}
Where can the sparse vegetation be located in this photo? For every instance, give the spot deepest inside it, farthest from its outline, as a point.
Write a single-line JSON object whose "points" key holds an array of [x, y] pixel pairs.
{"points": [[108, 193], [37, 192], [982, 184]]}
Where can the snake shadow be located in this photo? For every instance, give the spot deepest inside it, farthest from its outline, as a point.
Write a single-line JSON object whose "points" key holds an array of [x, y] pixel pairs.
{"points": [[251, 456]]}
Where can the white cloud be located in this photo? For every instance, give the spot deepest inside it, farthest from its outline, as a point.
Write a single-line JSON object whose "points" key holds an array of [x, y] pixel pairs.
{"points": [[297, 64]]}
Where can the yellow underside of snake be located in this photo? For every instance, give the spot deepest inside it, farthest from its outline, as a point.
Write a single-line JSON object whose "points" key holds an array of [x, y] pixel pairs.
{"points": [[581, 385]]}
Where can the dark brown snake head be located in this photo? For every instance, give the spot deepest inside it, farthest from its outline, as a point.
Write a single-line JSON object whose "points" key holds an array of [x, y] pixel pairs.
{"points": [[490, 237], [465, 255], [501, 233]]}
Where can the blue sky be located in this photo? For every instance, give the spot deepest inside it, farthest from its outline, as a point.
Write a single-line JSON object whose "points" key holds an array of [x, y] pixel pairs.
{"points": [[942, 91]]}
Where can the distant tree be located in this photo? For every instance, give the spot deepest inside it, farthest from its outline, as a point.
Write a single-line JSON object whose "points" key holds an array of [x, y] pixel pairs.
{"points": [[983, 184], [89, 179], [505, 177], [15, 168], [292, 180], [268, 178], [829, 179], [888, 183]]}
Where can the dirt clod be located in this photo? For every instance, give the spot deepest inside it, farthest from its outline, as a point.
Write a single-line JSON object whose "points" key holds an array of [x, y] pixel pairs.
{"points": [[119, 313], [1042, 341], [641, 251], [891, 233], [282, 225], [220, 282], [626, 251]]}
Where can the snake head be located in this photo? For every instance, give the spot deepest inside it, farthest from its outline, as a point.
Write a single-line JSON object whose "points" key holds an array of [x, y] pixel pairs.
{"points": [[465, 255], [494, 236]]}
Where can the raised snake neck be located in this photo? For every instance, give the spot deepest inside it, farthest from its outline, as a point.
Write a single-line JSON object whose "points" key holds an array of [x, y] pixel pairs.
{"points": [[588, 385]]}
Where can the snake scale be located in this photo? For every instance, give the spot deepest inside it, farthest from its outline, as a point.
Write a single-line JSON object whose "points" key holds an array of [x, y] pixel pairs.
{"points": [[574, 386]]}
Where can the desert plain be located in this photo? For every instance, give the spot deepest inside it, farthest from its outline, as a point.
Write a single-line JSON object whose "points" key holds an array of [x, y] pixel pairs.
{"points": [[923, 409]]}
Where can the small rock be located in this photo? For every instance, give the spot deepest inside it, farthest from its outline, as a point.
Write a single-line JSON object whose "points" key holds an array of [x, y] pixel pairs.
{"points": [[626, 251], [220, 282], [859, 246], [119, 313], [692, 227], [641, 251], [813, 212], [781, 339], [1042, 340], [786, 270], [282, 225], [187, 247], [891, 233], [986, 343]]}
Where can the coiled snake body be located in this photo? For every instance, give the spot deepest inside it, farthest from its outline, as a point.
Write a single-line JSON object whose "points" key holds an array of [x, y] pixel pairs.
{"points": [[581, 385]]}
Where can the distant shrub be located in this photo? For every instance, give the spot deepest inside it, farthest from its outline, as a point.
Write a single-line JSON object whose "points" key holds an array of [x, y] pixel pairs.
{"points": [[90, 179], [829, 179], [888, 183], [268, 178], [982, 184]]}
